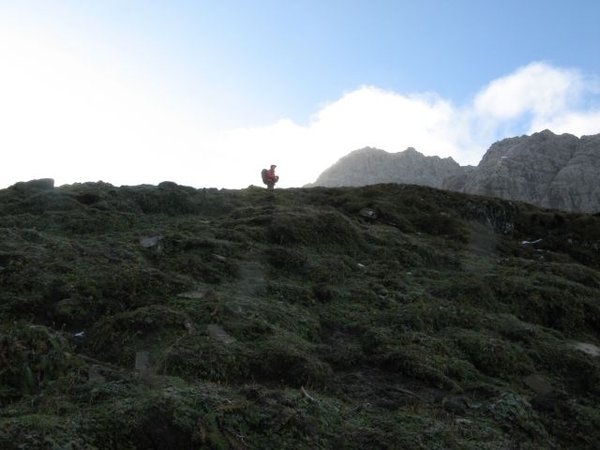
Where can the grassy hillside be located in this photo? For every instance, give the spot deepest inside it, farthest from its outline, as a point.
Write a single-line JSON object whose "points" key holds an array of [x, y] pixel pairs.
{"points": [[383, 317]]}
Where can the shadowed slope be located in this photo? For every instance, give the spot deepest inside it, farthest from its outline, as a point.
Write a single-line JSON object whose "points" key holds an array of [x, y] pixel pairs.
{"points": [[387, 316]]}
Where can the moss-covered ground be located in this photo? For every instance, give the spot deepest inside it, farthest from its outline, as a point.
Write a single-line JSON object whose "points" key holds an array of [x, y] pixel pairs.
{"points": [[380, 317]]}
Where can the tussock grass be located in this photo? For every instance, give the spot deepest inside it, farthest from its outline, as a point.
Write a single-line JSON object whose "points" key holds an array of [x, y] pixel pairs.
{"points": [[293, 319]]}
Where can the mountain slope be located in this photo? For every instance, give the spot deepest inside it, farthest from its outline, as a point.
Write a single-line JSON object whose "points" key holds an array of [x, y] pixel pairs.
{"points": [[386, 316], [372, 166], [547, 170]]}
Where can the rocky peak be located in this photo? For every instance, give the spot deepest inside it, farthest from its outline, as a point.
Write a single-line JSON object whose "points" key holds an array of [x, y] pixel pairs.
{"points": [[549, 170], [554, 150], [545, 169], [372, 166]]}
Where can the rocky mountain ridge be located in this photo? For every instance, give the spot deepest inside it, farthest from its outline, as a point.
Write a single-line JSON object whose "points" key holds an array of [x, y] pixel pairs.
{"points": [[372, 166], [544, 169]]}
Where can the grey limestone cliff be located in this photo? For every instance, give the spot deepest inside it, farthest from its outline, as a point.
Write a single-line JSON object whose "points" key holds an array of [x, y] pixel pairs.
{"points": [[545, 169], [372, 166]]}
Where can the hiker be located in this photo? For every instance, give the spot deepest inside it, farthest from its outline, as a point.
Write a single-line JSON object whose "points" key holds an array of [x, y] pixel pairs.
{"points": [[271, 177]]}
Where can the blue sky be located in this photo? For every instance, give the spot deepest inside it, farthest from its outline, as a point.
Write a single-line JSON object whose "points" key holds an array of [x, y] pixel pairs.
{"points": [[206, 93]]}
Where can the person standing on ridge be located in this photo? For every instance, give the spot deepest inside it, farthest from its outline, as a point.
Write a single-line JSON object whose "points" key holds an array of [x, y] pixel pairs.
{"points": [[271, 177]]}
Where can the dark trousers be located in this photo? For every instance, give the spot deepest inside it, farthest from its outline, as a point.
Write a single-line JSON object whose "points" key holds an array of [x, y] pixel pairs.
{"points": [[271, 183]]}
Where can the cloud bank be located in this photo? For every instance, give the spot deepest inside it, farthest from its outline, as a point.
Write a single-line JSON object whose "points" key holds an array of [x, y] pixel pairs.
{"points": [[66, 118], [535, 97]]}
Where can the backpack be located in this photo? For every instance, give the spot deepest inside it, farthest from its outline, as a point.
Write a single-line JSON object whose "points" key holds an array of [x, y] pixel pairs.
{"points": [[263, 174]]}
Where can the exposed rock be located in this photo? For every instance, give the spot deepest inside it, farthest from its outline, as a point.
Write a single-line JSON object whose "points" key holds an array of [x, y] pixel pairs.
{"points": [[576, 187], [590, 349], [154, 241], [373, 166], [538, 384], [218, 333], [544, 169], [369, 213]]}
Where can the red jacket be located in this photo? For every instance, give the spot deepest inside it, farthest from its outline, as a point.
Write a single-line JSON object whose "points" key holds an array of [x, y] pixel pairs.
{"points": [[271, 175]]}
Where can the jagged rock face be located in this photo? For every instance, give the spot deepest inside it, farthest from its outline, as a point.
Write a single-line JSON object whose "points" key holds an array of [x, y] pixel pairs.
{"points": [[576, 187], [544, 169], [372, 166], [522, 168]]}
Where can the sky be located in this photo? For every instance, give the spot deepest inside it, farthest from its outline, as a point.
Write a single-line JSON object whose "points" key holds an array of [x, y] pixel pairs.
{"points": [[205, 93]]}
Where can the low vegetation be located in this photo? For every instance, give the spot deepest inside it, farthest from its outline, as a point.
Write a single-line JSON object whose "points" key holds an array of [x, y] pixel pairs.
{"points": [[387, 316]]}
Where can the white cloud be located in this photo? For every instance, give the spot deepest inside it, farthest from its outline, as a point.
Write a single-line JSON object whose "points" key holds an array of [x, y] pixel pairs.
{"points": [[579, 123], [533, 98], [537, 88], [370, 116], [63, 116], [365, 117], [376, 118]]}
